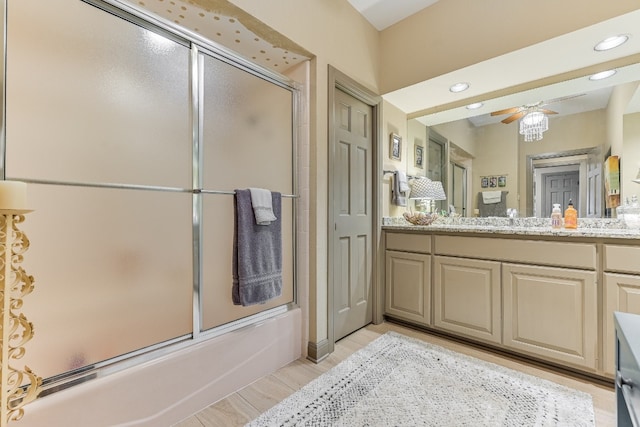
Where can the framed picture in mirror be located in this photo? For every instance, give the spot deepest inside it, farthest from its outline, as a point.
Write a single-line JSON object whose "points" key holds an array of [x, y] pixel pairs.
{"points": [[395, 146], [419, 156]]}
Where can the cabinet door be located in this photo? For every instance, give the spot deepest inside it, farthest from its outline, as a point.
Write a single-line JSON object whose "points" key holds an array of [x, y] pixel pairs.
{"points": [[622, 293], [551, 312], [467, 297], [408, 286]]}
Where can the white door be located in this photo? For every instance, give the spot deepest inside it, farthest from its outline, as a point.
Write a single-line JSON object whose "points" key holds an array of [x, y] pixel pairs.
{"points": [[458, 196], [352, 213], [594, 184]]}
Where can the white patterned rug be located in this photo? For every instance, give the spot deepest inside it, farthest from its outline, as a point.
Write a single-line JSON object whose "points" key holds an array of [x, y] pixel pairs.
{"points": [[401, 381]]}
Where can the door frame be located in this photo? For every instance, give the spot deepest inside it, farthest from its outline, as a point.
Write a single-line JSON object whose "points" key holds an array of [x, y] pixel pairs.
{"points": [[340, 81], [540, 175], [434, 137], [579, 156], [465, 183]]}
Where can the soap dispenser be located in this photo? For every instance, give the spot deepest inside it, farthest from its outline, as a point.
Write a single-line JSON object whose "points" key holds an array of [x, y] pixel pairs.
{"points": [[570, 216], [556, 216]]}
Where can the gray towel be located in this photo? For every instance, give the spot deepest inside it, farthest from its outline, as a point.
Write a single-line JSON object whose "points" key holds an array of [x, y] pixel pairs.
{"points": [[257, 253], [399, 186], [493, 209]]}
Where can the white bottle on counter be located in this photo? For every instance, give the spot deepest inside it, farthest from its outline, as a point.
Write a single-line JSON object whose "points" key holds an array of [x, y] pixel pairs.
{"points": [[556, 216]]}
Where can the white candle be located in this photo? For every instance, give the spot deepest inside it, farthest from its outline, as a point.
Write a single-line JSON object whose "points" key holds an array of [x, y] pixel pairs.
{"points": [[13, 195]]}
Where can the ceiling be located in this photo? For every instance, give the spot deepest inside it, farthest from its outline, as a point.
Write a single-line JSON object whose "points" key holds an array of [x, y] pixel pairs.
{"points": [[384, 13]]}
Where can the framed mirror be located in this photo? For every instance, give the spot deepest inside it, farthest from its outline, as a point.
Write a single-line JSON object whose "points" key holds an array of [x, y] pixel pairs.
{"points": [[583, 118]]}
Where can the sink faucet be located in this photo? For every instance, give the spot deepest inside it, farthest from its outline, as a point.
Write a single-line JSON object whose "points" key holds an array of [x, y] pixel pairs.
{"points": [[512, 213]]}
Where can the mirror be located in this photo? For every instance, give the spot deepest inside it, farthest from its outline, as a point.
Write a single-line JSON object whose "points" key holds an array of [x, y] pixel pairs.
{"points": [[587, 121]]}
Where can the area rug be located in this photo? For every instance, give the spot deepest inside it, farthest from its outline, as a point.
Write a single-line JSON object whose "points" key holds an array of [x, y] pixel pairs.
{"points": [[400, 381]]}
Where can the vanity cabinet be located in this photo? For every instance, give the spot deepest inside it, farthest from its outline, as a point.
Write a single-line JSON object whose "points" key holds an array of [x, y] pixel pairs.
{"points": [[551, 313], [408, 277], [466, 297], [621, 293], [538, 298], [544, 295]]}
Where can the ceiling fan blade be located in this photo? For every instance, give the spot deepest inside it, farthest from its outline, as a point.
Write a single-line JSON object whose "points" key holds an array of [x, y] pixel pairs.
{"points": [[514, 117], [544, 110], [507, 111]]}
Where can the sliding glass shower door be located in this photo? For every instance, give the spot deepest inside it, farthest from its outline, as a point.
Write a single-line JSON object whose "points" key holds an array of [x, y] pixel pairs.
{"points": [[247, 141], [118, 138]]}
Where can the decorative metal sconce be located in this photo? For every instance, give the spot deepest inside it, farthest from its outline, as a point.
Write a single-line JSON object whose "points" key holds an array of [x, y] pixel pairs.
{"points": [[19, 386]]}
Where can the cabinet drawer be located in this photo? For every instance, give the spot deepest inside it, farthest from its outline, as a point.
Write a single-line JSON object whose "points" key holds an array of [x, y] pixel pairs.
{"points": [[576, 255], [623, 259], [409, 242]]}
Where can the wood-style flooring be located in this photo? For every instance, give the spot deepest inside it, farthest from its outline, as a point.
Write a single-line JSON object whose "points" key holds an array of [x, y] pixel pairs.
{"points": [[246, 404]]}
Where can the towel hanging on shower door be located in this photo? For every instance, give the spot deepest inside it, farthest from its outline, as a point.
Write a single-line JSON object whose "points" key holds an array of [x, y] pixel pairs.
{"points": [[257, 253]]}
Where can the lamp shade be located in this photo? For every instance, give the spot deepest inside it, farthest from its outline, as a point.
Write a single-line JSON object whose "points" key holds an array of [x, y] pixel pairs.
{"points": [[424, 188], [436, 191], [420, 188]]}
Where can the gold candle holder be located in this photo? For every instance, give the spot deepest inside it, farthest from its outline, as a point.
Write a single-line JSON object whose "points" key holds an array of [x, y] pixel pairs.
{"points": [[19, 384]]}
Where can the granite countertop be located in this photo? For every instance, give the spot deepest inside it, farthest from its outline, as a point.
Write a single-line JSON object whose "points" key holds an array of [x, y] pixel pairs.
{"points": [[587, 227]]}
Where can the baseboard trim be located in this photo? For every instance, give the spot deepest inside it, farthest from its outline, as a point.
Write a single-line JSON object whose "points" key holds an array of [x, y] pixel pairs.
{"points": [[317, 352]]}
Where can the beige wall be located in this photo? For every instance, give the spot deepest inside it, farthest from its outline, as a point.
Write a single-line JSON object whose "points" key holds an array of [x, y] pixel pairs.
{"points": [[461, 133], [394, 121], [417, 135], [618, 102], [496, 154], [453, 34], [339, 36]]}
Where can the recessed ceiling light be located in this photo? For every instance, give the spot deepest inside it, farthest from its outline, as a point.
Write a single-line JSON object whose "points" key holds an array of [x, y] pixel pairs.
{"points": [[602, 75], [474, 106], [459, 87], [611, 42]]}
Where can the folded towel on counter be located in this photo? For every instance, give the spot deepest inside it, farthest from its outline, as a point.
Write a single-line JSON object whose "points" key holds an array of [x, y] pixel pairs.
{"points": [[399, 187], [262, 206], [489, 197], [257, 253]]}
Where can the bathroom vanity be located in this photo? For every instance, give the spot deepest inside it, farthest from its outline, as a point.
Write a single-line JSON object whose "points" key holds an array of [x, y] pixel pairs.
{"points": [[542, 293]]}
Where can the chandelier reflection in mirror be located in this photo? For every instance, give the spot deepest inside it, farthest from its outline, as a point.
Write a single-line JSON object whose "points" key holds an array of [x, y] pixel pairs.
{"points": [[533, 125]]}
